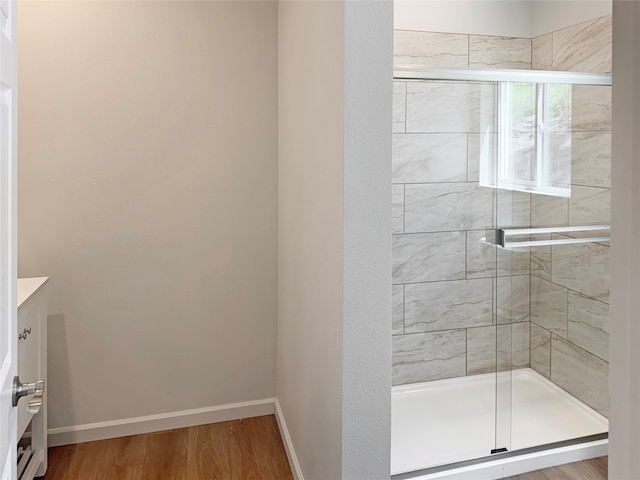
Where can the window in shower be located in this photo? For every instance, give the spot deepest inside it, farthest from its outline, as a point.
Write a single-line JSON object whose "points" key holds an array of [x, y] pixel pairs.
{"points": [[533, 141]]}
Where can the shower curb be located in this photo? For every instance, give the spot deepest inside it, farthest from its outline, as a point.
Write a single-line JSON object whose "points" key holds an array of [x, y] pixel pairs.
{"points": [[517, 464]]}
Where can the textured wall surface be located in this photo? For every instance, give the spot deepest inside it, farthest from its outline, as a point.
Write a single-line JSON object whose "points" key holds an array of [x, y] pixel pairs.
{"points": [[366, 370]]}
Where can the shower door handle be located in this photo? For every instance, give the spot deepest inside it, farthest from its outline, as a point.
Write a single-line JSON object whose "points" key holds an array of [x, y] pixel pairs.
{"points": [[503, 236]]}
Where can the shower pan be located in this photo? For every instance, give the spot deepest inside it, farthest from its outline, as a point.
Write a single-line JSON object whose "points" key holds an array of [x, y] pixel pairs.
{"points": [[500, 272]]}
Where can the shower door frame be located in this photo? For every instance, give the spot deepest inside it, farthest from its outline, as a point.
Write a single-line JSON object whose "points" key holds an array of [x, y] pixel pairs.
{"points": [[593, 445], [416, 72]]}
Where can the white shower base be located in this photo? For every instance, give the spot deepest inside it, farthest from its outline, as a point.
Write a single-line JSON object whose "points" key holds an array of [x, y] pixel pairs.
{"points": [[452, 420]]}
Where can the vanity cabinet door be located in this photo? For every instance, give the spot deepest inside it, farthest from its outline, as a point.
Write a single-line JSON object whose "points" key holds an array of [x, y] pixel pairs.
{"points": [[30, 319]]}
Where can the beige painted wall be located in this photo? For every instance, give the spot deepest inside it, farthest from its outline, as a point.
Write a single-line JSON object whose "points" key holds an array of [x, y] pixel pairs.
{"points": [[148, 192], [311, 230]]}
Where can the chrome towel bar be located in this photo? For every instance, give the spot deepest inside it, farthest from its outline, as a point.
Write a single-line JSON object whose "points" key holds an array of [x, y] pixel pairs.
{"points": [[503, 236]]}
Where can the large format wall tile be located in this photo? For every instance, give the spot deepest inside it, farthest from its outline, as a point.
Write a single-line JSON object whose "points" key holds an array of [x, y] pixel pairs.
{"points": [[446, 107], [549, 211], [482, 261], [590, 108], [441, 125], [512, 349], [513, 262], [481, 257], [589, 324], [421, 357], [549, 306], [513, 209], [589, 206], [542, 52], [397, 208], [513, 345], [583, 268], [540, 350], [499, 52], [444, 50], [541, 258], [399, 104], [581, 374], [428, 257], [431, 157], [512, 299], [591, 159], [479, 144], [397, 298], [584, 48], [481, 350], [447, 206], [448, 305]]}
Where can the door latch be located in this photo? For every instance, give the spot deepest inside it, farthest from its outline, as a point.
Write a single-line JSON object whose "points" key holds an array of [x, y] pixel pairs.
{"points": [[24, 389]]}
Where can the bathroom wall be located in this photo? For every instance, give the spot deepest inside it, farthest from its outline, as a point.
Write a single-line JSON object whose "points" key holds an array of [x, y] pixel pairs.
{"points": [[450, 292], [486, 17], [148, 192], [570, 283], [334, 303], [311, 233], [549, 16], [522, 18]]}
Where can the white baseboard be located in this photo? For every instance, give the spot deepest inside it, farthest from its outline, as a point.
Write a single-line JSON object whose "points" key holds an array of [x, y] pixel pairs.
{"points": [[288, 444], [156, 423]]}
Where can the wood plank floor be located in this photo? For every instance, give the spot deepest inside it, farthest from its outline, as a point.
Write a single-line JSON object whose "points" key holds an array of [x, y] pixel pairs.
{"points": [[237, 450]]}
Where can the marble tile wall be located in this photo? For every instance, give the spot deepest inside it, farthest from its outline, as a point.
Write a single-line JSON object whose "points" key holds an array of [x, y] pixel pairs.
{"points": [[452, 50], [458, 308], [569, 339]]}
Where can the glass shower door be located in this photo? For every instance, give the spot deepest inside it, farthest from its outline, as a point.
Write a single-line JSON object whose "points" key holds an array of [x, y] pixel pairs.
{"points": [[551, 291], [532, 159], [491, 336], [445, 276], [511, 312]]}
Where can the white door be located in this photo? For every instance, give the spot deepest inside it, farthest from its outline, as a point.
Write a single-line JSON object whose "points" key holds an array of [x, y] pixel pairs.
{"points": [[8, 273]]}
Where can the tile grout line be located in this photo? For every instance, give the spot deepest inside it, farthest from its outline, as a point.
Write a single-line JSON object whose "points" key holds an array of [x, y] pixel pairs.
{"points": [[406, 104], [404, 208], [404, 310]]}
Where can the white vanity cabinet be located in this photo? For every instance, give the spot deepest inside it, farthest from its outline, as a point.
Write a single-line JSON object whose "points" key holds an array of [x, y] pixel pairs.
{"points": [[32, 366]]}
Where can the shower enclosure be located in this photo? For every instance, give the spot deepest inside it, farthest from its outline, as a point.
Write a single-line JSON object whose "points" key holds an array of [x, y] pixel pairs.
{"points": [[500, 265]]}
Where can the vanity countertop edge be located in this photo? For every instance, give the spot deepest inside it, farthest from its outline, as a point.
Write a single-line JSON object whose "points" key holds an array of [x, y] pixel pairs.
{"points": [[27, 287]]}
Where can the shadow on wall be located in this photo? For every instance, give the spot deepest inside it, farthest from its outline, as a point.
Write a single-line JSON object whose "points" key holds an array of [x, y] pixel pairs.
{"points": [[59, 397]]}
